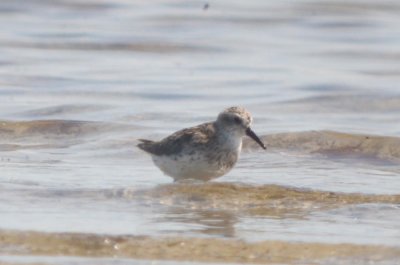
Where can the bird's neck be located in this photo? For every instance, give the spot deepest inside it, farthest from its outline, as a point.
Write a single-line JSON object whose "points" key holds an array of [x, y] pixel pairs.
{"points": [[230, 140]]}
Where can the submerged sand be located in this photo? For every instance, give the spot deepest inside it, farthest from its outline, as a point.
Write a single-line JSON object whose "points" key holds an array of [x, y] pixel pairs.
{"points": [[264, 200], [185, 249], [335, 143]]}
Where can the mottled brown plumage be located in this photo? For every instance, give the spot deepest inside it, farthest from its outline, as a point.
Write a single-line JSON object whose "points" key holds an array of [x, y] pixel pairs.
{"points": [[175, 143]]}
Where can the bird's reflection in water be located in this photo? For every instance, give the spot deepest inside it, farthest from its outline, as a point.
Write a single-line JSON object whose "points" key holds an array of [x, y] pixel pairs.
{"points": [[208, 222]]}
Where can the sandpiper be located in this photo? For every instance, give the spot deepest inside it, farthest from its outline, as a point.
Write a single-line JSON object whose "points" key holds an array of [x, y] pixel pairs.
{"points": [[203, 152]]}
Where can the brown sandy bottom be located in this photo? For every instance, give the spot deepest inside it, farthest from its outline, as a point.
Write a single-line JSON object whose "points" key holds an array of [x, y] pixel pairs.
{"points": [[335, 143], [236, 198], [186, 249], [264, 200], [258, 200]]}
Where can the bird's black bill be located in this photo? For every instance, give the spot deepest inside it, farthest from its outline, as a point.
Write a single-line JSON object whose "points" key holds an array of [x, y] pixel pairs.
{"points": [[254, 136]]}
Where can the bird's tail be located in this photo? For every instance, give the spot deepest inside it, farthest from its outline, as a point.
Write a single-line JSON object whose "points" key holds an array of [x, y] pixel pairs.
{"points": [[145, 145]]}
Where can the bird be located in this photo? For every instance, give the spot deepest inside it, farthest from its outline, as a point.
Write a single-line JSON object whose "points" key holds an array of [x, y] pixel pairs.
{"points": [[204, 152]]}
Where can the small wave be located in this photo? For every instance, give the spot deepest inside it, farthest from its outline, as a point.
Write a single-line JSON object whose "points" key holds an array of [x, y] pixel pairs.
{"points": [[264, 200], [64, 110], [259, 200], [50, 128], [335, 143], [143, 47], [340, 102], [49, 134], [323, 142], [226, 195]]}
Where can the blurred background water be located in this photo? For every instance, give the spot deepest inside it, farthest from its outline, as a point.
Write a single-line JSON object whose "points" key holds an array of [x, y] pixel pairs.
{"points": [[81, 80]]}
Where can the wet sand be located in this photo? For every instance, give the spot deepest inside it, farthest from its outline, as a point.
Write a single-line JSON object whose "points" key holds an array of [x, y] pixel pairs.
{"points": [[187, 249], [266, 200], [259, 199]]}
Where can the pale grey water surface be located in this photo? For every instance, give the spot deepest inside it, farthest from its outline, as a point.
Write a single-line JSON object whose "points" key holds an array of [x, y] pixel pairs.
{"points": [[81, 80]]}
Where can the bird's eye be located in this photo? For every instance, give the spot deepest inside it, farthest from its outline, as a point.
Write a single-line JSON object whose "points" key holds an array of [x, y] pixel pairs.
{"points": [[237, 120]]}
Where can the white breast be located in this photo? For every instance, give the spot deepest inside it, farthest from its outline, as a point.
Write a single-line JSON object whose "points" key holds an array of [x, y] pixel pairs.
{"points": [[194, 166]]}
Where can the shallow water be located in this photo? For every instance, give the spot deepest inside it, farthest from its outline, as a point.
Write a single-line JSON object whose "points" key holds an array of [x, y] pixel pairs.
{"points": [[80, 81]]}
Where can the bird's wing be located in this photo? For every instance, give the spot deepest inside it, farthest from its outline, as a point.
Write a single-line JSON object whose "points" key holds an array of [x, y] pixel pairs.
{"points": [[176, 142]]}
